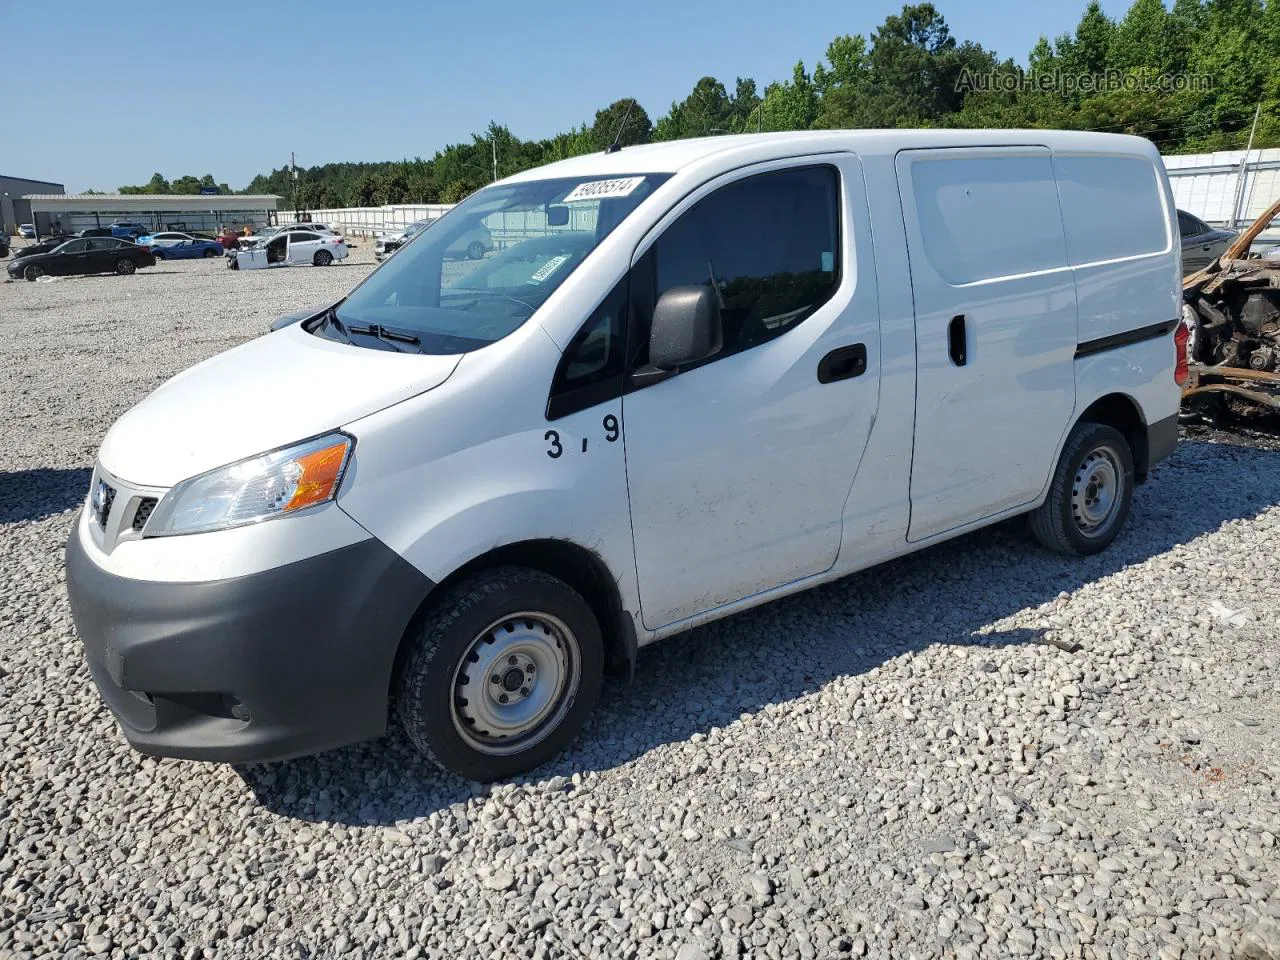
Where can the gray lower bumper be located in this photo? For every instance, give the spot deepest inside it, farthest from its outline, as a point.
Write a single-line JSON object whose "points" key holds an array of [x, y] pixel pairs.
{"points": [[291, 661], [1162, 440]]}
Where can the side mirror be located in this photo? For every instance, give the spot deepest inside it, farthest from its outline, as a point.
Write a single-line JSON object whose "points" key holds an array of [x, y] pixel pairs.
{"points": [[686, 327], [557, 215]]}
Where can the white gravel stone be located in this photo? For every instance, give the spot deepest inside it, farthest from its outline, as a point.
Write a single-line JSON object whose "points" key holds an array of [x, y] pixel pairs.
{"points": [[894, 765]]}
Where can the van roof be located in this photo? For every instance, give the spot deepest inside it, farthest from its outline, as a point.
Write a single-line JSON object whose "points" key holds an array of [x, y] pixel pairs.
{"points": [[674, 155]]}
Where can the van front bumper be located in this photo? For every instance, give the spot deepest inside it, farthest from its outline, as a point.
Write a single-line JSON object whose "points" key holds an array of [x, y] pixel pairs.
{"points": [[291, 661]]}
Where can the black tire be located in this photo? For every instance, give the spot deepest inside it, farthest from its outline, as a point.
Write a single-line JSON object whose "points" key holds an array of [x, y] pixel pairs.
{"points": [[322, 258], [33, 272], [475, 250], [1073, 520], [469, 617], [125, 266], [158, 253], [209, 252]]}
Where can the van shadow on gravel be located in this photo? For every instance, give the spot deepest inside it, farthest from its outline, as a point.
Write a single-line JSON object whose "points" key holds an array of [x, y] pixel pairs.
{"points": [[43, 492], [951, 594]]}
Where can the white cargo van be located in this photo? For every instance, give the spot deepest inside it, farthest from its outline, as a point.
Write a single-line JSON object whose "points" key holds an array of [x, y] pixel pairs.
{"points": [[690, 378]]}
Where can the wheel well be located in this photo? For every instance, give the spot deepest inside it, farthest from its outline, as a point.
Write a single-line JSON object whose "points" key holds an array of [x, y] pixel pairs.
{"points": [[576, 566], [1119, 411]]}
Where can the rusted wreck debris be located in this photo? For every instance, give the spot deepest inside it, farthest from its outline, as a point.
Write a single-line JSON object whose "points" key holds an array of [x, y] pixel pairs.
{"points": [[1232, 311]]}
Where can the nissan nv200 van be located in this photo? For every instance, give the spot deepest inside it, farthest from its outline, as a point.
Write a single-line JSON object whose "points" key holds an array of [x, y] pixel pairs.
{"points": [[689, 378]]}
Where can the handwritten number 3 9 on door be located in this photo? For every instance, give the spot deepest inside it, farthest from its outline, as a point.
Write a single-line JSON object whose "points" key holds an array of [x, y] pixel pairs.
{"points": [[612, 431]]}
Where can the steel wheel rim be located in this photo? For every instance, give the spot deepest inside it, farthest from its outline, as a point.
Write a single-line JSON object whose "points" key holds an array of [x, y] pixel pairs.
{"points": [[1096, 492], [34, 272], [124, 266], [530, 659]]}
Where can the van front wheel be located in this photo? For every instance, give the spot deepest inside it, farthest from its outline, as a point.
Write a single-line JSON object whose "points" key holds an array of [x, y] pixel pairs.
{"points": [[502, 673], [1090, 494]]}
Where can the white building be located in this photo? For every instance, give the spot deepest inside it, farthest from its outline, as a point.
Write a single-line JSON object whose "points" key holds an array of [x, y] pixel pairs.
{"points": [[198, 212]]}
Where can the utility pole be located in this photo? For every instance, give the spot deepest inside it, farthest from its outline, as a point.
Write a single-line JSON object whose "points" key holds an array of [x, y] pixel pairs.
{"points": [[293, 169], [1244, 169], [493, 140]]}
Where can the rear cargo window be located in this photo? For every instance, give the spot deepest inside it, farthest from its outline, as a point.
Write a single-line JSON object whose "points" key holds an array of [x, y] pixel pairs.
{"points": [[1112, 208], [989, 216]]}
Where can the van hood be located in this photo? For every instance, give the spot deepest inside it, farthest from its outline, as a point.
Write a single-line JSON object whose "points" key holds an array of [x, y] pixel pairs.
{"points": [[268, 393]]}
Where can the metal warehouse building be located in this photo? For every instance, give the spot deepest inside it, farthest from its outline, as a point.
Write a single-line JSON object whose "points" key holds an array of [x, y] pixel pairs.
{"points": [[14, 207], [201, 212]]}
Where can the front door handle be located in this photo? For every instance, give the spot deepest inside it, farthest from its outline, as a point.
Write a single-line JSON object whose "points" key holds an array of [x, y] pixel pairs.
{"points": [[957, 341], [843, 363]]}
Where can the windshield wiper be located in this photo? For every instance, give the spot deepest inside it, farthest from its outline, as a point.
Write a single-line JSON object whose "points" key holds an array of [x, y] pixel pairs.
{"points": [[393, 337]]}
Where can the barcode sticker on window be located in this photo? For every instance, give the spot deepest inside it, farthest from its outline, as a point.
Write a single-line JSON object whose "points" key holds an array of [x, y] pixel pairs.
{"points": [[548, 268], [600, 189], [828, 261]]}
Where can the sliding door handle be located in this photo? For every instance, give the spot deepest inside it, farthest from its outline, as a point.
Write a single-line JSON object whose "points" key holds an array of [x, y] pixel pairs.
{"points": [[958, 341]]}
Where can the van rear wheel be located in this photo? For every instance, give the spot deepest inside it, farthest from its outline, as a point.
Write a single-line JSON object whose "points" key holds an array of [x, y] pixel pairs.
{"points": [[1091, 492], [501, 674]]}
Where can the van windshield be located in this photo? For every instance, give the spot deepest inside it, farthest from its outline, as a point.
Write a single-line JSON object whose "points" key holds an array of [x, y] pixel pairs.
{"points": [[484, 268]]}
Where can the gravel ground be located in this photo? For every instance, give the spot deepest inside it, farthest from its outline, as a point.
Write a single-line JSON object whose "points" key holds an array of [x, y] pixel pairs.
{"points": [[980, 751]]}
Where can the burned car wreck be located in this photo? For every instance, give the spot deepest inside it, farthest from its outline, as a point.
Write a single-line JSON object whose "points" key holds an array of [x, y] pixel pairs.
{"points": [[1232, 312]]}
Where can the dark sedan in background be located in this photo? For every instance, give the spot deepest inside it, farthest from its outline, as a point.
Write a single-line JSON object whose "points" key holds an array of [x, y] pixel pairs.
{"points": [[83, 255], [44, 246], [1201, 243]]}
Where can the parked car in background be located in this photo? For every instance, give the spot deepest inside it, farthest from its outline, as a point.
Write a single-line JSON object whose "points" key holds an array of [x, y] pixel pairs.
{"points": [[27, 231], [1201, 243], [180, 246], [229, 238], [271, 233], [266, 233], [84, 255], [387, 244], [129, 229], [290, 248], [44, 246], [304, 225], [471, 245]]}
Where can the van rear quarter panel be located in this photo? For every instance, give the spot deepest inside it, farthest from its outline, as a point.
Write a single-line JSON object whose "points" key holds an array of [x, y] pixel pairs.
{"points": [[1143, 372]]}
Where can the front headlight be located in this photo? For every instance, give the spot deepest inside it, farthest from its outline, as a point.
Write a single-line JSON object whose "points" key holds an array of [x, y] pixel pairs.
{"points": [[270, 485]]}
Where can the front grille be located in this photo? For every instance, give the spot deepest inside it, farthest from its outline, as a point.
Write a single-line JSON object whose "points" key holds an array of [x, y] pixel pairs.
{"points": [[145, 506], [108, 498]]}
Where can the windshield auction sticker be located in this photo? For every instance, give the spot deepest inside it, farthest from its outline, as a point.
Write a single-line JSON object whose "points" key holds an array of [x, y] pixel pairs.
{"points": [[548, 268], [600, 189]]}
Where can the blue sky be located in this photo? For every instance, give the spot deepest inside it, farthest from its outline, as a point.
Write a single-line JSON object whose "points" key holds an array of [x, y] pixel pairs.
{"points": [[106, 99]]}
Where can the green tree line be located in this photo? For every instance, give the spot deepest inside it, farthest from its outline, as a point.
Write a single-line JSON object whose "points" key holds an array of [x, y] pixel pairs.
{"points": [[1189, 78], [182, 185]]}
